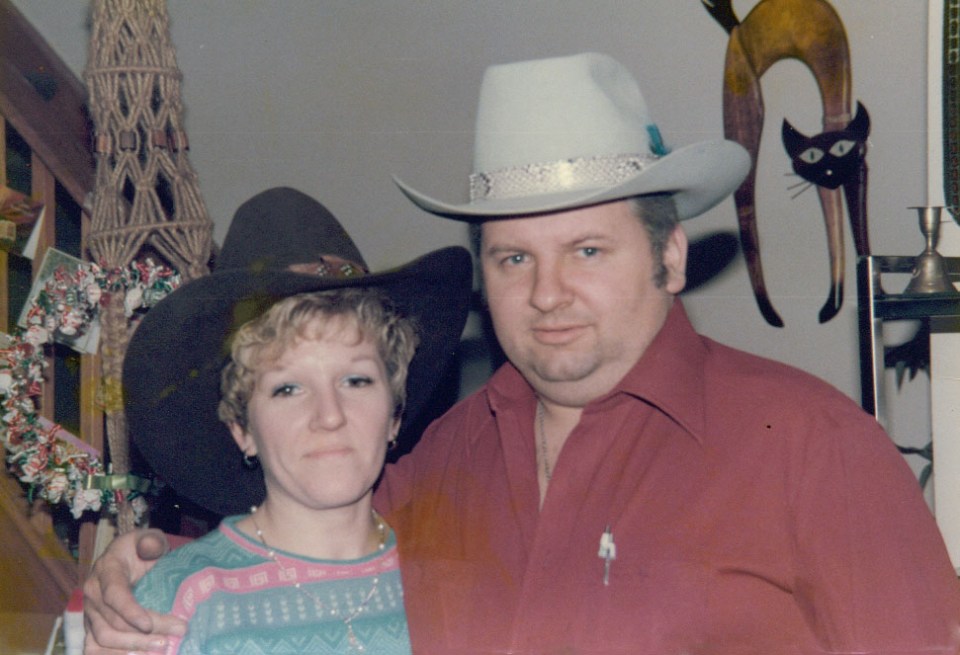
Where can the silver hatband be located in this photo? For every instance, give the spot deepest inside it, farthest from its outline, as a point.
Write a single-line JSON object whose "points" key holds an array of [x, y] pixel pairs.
{"points": [[564, 175]]}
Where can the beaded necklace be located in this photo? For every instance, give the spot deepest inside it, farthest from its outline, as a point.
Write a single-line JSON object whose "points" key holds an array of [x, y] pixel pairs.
{"points": [[542, 442], [355, 645]]}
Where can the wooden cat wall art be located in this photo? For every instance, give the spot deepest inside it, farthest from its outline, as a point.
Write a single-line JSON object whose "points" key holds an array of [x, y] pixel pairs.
{"points": [[809, 31]]}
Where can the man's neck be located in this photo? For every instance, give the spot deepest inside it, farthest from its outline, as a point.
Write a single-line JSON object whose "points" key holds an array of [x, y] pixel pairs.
{"points": [[552, 426]]}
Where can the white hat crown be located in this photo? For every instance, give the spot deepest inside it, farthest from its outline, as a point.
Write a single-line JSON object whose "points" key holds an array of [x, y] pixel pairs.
{"points": [[556, 109], [566, 132]]}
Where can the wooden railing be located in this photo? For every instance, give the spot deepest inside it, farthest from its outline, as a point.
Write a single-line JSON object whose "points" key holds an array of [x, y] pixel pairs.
{"points": [[43, 105]]}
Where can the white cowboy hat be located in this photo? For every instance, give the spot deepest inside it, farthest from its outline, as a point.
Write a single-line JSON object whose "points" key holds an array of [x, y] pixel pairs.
{"points": [[566, 132]]}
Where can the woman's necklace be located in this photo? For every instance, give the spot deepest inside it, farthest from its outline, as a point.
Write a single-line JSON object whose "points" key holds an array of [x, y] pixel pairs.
{"points": [[355, 644]]}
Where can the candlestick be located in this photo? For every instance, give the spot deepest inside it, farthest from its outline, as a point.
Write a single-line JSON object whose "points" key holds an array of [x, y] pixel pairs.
{"points": [[929, 269]]}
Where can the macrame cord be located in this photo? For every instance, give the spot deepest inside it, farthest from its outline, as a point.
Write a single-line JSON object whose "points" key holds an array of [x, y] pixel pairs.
{"points": [[146, 192]]}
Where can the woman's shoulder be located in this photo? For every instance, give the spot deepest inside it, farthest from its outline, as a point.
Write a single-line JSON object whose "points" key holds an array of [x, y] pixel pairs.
{"points": [[219, 548]]}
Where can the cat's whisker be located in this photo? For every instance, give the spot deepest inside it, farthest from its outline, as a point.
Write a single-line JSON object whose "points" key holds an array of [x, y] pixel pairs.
{"points": [[808, 185], [798, 184]]}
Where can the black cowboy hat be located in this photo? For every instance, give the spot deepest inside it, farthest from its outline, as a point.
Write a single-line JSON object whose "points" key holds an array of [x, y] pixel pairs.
{"points": [[281, 243]]}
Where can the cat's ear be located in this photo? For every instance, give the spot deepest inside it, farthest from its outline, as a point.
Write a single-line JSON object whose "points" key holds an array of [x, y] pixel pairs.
{"points": [[859, 126], [793, 141]]}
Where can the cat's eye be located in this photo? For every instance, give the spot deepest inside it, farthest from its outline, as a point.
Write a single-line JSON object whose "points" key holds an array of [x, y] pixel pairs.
{"points": [[811, 155], [842, 147]]}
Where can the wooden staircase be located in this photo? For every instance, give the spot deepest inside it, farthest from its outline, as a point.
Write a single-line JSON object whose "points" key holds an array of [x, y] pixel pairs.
{"points": [[44, 554]]}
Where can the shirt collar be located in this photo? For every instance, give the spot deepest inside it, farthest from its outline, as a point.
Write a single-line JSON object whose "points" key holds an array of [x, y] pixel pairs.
{"points": [[669, 376], [671, 373]]}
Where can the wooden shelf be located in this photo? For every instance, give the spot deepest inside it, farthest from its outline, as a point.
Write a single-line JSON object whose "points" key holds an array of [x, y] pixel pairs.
{"points": [[37, 570], [28, 633], [44, 104]]}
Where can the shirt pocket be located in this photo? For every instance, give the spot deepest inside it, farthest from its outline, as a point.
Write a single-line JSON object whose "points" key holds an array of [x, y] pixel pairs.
{"points": [[659, 606]]}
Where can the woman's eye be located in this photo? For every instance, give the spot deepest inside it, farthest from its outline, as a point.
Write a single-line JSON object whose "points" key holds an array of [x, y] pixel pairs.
{"points": [[358, 381], [283, 390], [590, 251]]}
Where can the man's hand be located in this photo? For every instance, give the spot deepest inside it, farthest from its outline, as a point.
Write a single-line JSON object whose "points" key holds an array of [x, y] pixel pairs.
{"points": [[114, 622]]}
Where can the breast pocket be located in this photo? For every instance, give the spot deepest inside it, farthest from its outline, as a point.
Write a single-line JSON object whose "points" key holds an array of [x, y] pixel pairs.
{"points": [[657, 607]]}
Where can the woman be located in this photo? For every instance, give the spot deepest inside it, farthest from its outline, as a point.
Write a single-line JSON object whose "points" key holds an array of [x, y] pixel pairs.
{"points": [[314, 389]]}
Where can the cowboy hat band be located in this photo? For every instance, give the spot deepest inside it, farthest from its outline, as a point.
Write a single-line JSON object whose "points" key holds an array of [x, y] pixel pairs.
{"points": [[172, 367], [567, 132], [553, 177]]}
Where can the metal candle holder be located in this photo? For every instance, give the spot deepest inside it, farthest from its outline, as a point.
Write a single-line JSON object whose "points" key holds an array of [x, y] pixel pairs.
{"points": [[929, 270]]}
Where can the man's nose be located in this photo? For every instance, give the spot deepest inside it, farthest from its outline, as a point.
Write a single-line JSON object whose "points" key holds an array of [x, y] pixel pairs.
{"points": [[550, 290]]}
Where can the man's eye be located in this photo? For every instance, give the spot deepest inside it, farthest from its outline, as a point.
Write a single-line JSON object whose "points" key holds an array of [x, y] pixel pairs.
{"points": [[515, 259], [590, 251]]}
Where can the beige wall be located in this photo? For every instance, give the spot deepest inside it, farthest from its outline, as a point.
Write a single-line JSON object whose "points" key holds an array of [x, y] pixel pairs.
{"points": [[334, 96]]}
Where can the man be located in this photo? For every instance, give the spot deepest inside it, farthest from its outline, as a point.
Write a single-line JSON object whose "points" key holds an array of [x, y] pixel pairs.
{"points": [[624, 485]]}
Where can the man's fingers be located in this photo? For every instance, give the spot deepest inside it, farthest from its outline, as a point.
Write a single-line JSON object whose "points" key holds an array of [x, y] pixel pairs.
{"points": [[131, 643], [102, 639], [151, 545], [168, 624], [117, 605], [115, 622]]}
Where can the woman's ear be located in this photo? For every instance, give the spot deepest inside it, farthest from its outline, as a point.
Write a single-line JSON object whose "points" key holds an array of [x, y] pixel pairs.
{"points": [[244, 441]]}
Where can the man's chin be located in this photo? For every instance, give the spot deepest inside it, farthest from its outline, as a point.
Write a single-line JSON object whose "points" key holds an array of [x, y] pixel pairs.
{"points": [[565, 384], [561, 368]]}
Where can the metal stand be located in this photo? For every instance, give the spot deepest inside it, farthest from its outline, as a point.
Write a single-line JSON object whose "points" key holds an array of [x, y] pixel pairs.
{"points": [[875, 306]]}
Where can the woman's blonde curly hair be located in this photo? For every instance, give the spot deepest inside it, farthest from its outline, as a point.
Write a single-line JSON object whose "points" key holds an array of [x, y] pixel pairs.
{"points": [[268, 336]]}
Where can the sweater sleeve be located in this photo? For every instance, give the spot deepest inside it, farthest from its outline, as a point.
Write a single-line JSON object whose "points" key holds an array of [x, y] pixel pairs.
{"points": [[158, 588]]}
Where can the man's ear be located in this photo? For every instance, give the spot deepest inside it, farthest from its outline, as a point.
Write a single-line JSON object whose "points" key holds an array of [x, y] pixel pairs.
{"points": [[675, 261]]}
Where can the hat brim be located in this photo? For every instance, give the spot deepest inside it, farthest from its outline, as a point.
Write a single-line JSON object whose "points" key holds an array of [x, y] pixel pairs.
{"points": [[174, 360], [699, 176]]}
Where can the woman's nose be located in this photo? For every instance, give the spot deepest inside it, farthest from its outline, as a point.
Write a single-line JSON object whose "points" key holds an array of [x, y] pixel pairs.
{"points": [[328, 412]]}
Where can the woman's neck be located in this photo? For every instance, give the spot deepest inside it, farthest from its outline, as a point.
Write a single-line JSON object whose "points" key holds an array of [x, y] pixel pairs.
{"points": [[344, 533]]}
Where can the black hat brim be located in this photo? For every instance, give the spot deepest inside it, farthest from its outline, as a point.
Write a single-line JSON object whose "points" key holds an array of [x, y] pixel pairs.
{"points": [[171, 374]]}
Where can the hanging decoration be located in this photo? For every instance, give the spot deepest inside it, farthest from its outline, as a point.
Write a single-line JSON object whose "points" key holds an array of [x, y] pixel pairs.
{"points": [[834, 161], [56, 466], [146, 194], [17, 213]]}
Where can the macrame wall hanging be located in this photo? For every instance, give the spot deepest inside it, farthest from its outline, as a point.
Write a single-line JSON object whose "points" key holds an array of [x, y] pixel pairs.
{"points": [[146, 194]]}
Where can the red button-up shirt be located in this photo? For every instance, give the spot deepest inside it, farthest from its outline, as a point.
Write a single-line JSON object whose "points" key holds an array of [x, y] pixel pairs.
{"points": [[754, 509]]}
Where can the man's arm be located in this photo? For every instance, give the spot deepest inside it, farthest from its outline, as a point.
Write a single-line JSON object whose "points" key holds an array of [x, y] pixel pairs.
{"points": [[115, 622], [873, 573]]}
